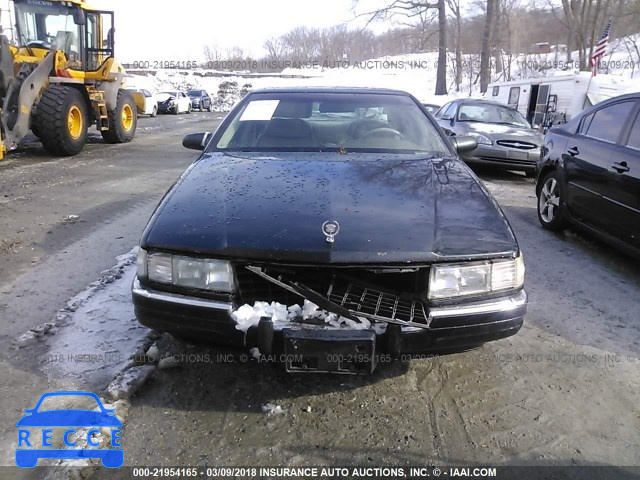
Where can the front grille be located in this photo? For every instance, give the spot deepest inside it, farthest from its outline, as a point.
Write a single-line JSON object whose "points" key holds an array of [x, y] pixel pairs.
{"points": [[375, 302], [398, 296], [518, 144]]}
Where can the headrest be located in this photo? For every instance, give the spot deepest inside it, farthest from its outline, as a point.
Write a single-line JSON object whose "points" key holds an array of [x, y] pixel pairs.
{"points": [[287, 128]]}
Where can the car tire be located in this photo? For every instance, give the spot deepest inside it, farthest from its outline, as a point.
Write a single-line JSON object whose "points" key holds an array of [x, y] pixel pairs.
{"points": [[154, 112], [551, 206], [189, 109], [176, 110], [122, 120]]}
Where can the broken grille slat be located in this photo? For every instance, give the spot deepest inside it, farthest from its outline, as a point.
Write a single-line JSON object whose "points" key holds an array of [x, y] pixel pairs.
{"points": [[359, 299]]}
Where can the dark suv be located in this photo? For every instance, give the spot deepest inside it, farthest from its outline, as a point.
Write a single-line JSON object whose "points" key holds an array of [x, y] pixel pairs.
{"points": [[589, 173], [200, 100]]}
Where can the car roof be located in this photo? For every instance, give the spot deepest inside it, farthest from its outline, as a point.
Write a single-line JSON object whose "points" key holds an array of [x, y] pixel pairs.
{"points": [[349, 90], [480, 101]]}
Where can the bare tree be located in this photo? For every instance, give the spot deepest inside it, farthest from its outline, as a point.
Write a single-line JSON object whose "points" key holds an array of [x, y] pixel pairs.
{"points": [[413, 9], [454, 7], [485, 54], [275, 49]]}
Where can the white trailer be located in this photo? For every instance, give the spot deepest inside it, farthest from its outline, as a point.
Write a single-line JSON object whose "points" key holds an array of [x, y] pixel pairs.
{"points": [[562, 95]]}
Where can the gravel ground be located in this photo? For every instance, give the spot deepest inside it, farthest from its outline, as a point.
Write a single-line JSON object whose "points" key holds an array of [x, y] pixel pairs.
{"points": [[564, 391]]}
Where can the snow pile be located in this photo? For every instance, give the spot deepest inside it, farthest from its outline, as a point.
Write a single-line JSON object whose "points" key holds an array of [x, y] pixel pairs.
{"points": [[272, 409], [248, 316]]}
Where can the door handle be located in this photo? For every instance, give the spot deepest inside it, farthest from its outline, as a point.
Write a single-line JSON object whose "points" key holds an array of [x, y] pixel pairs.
{"points": [[620, 167], [573, 151]]}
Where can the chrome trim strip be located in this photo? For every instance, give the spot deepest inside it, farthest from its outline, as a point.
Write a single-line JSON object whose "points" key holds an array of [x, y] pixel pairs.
{"points": [[635, 210], [492, 306], [593, 192], [137, 289]]}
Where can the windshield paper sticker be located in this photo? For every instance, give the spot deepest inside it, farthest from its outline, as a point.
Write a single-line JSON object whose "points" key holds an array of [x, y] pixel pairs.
{"points": [[259, 110]]}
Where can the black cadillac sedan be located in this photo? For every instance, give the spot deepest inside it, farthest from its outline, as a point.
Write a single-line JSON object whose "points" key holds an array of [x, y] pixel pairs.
{"points": [[330, 227]]}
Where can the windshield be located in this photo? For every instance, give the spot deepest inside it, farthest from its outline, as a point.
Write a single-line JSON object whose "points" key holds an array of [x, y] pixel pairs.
{"points": [[195, 93], [487, 113], [171, 94], [48, 26], [361, 122]]}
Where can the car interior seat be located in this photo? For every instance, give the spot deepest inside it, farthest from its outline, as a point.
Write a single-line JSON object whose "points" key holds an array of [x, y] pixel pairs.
{"points": [[287, 132]]}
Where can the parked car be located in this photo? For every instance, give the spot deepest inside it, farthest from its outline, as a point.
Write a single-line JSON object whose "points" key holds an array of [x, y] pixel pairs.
{"points": [[146, 102], [200, 100], [299, 199], [504, 136], [431, 107], [173, 102], [589, 174]]}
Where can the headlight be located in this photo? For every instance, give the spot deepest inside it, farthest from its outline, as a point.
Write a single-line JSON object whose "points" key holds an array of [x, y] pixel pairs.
{"points": [[481, 139], [203, 274], [455, 280]]}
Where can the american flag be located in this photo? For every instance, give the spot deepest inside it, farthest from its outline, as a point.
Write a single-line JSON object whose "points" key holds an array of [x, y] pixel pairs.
{"points": [[600, 49]]}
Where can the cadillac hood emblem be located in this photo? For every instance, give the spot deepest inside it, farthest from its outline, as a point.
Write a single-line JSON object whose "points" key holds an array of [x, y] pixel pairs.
{"points": [[330, 228]]}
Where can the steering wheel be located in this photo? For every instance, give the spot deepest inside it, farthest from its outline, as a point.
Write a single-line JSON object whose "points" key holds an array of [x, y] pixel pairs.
{"points": [[384, 132]]}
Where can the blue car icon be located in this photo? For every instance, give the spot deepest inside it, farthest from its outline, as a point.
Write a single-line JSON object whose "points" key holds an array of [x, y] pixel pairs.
{"points": [[71, 419]]}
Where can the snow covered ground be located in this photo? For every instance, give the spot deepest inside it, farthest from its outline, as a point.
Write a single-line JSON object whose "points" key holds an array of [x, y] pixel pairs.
{"points": [[415, 73]]}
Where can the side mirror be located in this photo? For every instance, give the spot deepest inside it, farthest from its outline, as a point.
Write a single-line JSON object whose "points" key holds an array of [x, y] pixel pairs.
{"points": [[464, 143], [79, 16], [196, 141]]}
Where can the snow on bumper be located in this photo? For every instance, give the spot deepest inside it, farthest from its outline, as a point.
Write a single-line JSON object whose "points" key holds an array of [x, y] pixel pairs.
{"points": [[223, 322]]}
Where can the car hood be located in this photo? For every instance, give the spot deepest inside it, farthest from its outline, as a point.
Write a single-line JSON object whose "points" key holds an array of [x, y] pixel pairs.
{"points": [[390, 209], [505, 132]]}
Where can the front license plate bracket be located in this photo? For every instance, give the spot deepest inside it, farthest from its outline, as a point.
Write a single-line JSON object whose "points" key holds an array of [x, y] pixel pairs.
{"points": [[330, 351]]}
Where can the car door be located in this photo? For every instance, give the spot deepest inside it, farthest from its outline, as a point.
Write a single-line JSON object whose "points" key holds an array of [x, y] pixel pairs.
{"points": [[624, 183], [587, 160], [148, 102], [184, 102], [446, 117]]}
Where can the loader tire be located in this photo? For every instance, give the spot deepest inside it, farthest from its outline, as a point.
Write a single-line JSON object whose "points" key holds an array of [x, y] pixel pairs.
{"points": [[122, 120], [61, 121]]}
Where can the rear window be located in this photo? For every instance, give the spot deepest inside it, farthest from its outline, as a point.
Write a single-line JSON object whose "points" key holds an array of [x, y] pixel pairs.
{"points": [[326, 121]]}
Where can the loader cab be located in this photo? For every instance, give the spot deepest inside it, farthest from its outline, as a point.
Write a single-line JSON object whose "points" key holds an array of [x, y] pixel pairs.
{"points": [[85, 36]]}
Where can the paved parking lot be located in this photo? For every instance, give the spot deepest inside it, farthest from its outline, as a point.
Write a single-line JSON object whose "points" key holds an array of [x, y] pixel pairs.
{"points": [[563, 391]]}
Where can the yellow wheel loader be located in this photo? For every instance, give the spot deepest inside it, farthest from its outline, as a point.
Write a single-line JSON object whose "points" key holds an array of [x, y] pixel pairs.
{"points": [[59, 77]]}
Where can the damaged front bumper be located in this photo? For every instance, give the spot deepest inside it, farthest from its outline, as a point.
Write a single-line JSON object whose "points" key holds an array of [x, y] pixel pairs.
{"points": [[395, 326]]}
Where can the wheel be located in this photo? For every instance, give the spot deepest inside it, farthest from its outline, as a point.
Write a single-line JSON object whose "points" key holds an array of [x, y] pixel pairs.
{"points": [[154, 112], [176, 110], [189, 109], [551, 206], [122, 120], [62, 119]]}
